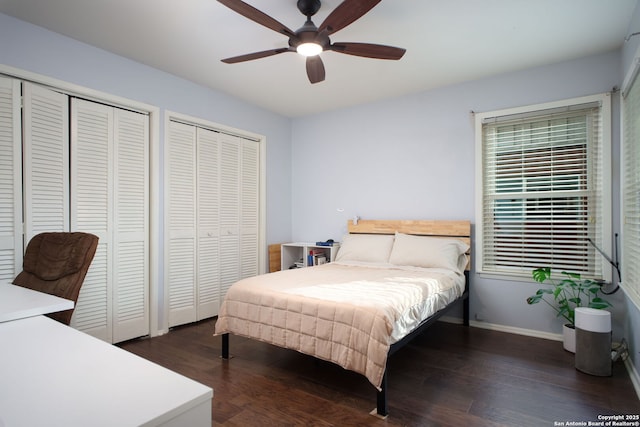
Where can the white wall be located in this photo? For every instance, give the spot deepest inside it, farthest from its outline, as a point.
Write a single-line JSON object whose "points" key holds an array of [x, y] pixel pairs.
{"points": [[413, 158]]}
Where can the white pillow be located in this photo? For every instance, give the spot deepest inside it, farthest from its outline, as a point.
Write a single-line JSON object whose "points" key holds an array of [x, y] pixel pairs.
{"points": [[429, 252], [365, 248]]}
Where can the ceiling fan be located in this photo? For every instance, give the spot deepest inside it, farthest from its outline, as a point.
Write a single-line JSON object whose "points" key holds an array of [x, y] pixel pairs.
{"points": [[310, 40]]}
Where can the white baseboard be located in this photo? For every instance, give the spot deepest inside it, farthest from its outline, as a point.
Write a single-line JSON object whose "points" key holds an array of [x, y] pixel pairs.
{"points": [[517, 331], [633, 373], [160, 332], [503, 328]]}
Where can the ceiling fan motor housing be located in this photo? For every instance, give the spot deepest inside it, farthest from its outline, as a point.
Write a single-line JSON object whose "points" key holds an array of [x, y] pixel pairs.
{"points": [[308, 33], [308, 7]]}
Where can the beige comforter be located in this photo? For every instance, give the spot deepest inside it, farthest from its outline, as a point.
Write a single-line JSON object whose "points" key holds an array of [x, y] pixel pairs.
{"points": [[344, 313]]}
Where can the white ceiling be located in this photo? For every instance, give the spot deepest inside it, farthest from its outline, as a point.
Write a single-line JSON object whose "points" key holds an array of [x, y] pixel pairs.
{"points": [[447, 41]]}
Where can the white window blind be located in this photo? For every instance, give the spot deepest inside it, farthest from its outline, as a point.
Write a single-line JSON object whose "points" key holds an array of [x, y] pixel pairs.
{"points": [[543, 190], [631, 193]]}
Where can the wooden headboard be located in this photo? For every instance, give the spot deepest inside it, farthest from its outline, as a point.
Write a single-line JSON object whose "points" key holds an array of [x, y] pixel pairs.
{"points": [[457, 229]]}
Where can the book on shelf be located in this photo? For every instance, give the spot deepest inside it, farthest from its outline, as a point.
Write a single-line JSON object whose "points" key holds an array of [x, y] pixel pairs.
{"points": [[319, 256], [297, 264]]}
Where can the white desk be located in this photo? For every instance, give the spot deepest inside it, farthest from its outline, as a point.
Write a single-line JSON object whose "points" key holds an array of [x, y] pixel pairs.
{"points": [[17, 302], [53, 375]]}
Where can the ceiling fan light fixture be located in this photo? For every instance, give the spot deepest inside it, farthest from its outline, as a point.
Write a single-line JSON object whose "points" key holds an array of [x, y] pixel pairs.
{"points": [[309, 49]]}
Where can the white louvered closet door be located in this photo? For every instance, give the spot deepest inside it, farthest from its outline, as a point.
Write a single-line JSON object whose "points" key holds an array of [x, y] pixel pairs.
{"points": [[46, 161], [79, 166], [208, 223], [131, 226], [10, 181], [109, 198], [249, 208], [229, 211], [92, 201], [239, 209], [180, 271], [213, 218]]}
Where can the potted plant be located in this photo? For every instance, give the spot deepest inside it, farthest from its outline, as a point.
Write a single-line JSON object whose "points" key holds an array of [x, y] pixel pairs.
{"points": [[568, 293]]}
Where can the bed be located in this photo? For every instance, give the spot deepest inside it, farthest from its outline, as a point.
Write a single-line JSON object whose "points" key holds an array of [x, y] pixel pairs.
{"points": [[390, 281]]}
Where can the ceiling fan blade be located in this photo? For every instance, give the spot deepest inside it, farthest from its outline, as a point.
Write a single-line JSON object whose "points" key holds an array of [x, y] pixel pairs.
{"points": [[369, 50], [346, 12], [256, 55], [315, 69], [255, 15]]}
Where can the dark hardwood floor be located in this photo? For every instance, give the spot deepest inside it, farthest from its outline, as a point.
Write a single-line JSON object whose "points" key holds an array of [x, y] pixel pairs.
{"points": [[449, 376]]}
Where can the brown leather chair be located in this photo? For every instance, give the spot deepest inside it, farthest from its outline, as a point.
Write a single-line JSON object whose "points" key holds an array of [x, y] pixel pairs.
{"points": [[56, 263]]}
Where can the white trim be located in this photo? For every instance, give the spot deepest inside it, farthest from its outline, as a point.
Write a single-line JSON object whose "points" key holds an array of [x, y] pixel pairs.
{"points": [[208, 124], [19, 245], [517, 331], [506, 277], [534, 113], [479, 185], [607, 181], [156, 282], [503, 328], [154, 169], [633, 375], [544, 106], [77, 90], [508, 329], [262, 218], [630, 293], [631, 74]]}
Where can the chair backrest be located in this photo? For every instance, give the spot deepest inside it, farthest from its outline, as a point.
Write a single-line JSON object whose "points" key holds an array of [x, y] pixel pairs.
{"points": [[56, 263]]}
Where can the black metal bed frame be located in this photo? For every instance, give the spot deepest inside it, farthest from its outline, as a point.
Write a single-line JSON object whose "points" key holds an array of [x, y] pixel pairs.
{"points": [[381, 401], [381, 398]]}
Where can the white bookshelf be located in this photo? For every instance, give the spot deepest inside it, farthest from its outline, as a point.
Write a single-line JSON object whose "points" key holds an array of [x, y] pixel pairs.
{"points": [[292, 253]]}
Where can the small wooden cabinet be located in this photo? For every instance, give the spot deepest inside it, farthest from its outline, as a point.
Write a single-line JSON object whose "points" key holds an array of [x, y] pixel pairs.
{"points": [[295, 255]]}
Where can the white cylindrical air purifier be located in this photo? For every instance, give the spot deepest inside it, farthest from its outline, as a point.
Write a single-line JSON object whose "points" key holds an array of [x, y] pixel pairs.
{"points": [[593, 341]]}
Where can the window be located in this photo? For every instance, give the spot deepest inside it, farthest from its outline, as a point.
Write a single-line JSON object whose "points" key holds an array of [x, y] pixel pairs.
{"points": [[543, 188], [631, 191]]}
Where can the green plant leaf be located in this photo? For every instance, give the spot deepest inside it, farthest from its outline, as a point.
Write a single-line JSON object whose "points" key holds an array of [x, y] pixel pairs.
{"points": [[564, 307], [572, 275], [556, 291], [592, 287], [568, 283], [599, 303], [534, 299], [568, 293], [541, 274]]}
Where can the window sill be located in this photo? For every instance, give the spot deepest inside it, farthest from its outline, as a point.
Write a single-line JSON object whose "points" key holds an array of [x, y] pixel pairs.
{"points": [[505, 277]]}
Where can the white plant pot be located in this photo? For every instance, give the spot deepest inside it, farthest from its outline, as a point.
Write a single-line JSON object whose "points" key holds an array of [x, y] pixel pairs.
{"points": [[569, 338]]}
